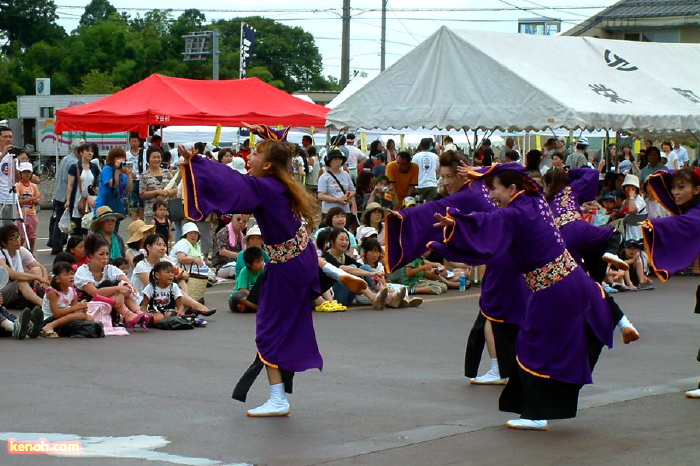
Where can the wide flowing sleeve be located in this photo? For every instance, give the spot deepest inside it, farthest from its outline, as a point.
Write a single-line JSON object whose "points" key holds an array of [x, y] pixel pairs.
{"points": [[584, 183], [476, 238], [409, 231], [210, 186], [673, 242], [660, 186]]}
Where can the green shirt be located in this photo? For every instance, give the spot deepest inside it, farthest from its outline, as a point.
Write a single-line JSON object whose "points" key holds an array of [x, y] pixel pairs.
{"points": [[246, 279], [240, 263], [411, 281]]}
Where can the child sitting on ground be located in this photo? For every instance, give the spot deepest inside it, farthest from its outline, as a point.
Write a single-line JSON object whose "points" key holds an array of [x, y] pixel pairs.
{"points": [[371, 255], [76, 246], [425, 277], [122, 264], [254, 263], [61, 303], [162, 297], [28, 324]]}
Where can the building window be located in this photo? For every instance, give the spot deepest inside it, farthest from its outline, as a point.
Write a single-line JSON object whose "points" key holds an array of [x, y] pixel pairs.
{"points": [[672, 37], [46, 112]]}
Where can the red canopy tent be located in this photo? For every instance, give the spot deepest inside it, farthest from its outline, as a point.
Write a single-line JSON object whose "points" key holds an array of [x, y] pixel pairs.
{"points": [[166, 101]]}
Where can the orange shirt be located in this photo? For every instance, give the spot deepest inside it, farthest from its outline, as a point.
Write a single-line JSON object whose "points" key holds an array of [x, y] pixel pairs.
{"points": [[26, 191], [402, 181]]}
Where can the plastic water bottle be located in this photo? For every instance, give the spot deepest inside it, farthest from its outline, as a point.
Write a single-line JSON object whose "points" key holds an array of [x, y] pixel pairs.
{"points": [[462, 282]]}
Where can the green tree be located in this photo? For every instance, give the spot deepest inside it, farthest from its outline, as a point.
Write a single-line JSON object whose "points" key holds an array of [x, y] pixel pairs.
{"points": [[97, 10], [8, 110], [263, 74], [96, 82], [25, 22]]}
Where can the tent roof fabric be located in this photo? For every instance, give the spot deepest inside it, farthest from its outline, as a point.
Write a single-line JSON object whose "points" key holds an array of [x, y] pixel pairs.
{"points": [[166, 101], [515, 82]]}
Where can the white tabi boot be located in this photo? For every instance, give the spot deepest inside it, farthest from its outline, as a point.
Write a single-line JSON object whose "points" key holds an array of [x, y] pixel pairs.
{"points": [[276, 406], [527, 424], [492, 377]]}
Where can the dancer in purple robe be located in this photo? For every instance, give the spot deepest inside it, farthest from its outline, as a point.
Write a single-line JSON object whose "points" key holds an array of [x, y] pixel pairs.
{"points": [[503, 291], [673, 243], [593, 248], [285, 336], [566, 321]]}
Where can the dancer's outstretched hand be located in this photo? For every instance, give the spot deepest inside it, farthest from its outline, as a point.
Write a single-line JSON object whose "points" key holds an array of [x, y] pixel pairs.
{"points": [[464, 169], [646, 224], [185, 153], [443, 221]]}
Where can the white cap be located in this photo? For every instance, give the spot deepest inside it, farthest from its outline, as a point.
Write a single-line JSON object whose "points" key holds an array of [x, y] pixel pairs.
{"points": [[189, 227], [365, 231], [25, 166], [583, 141], [238, 164], [253, 231]]}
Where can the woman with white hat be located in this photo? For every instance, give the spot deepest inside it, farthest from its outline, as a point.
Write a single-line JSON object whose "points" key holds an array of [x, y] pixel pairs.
{"points": [[187, 251], [105, 225], [633, 204]]}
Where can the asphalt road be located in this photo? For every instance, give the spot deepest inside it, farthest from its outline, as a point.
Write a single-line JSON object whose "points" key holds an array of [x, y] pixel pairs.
{"points": [[392, 392]]}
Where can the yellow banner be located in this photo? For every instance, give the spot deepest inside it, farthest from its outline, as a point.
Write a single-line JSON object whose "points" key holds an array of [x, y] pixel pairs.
{"points": [[363, 142]]}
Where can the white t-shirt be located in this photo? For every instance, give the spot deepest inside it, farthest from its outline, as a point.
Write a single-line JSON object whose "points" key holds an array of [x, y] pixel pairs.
{"points": [[185, 247], [21, 260], [83, 276], [672, 158], [635, 231], [134, 160], [354, 154], [5, 180], [160, 297], [64, 300], [427, 169], [142, 267]]}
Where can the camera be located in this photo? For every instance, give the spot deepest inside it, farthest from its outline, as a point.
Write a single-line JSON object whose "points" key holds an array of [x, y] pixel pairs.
{"points": [[385, 189]]}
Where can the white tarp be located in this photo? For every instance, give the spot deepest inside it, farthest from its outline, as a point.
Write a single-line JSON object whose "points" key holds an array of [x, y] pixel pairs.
{"points": [[514, 82]]}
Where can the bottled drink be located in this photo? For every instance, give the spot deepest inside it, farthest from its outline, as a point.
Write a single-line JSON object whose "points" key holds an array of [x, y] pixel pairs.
{"points": [[462, 282]]}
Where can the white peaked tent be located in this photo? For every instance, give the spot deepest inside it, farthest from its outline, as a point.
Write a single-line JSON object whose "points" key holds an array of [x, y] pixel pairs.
{"points": [[515, 82]]}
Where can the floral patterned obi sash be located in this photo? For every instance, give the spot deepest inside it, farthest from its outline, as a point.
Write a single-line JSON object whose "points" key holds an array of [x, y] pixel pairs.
{"points": [[551, 272], [567, 217], [290, 249]]}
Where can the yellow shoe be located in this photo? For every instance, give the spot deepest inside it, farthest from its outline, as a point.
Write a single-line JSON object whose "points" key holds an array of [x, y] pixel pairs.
{"points": [[337, 307], [323, 307]]}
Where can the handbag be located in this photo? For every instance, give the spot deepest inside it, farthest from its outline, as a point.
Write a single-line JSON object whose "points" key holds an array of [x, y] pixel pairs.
{"points": [[175, 323], [82, 329]]}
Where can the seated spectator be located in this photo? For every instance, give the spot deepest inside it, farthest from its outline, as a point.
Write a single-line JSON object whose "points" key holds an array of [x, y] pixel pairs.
{"points": [[336, 218], [228, 244], [424, 277], [28, 324], [558, 161], [154, 245], [187, 251], [636, 276], [76, 247], [252, 238], [254, 263], [162, 298], [372, 220], [105, 225], [512, 156], [379, 168], [25, 272], [100, 278], [121, 264], [138, 231], [61, 305], [336, 255], [363, 187], [382, 194], [408, 202], [371, 254]]}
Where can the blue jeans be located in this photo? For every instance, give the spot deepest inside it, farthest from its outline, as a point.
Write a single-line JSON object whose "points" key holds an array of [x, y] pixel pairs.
{"points": [[346, 297]]}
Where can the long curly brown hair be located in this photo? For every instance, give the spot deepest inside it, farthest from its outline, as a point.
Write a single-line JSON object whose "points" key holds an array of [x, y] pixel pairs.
{"points": [[280, 155]]}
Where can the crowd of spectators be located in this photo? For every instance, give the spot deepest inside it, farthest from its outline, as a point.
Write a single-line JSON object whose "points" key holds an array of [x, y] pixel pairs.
{"points": [[354, 189]]}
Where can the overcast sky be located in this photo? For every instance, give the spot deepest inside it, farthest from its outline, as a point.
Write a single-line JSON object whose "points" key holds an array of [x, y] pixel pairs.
{"points": [[405, 29]]}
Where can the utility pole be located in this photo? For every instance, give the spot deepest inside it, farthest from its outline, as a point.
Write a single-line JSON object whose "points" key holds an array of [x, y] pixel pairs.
{"points": [[215, 54], [382, 65], [345, 53]]}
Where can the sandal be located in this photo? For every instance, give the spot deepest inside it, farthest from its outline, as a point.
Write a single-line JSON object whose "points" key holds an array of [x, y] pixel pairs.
{"points": [[48, 334]]}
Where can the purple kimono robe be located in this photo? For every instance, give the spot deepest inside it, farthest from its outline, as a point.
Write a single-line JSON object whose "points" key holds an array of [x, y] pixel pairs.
{"points": [[503, 292], [285, 335], [552, 340], [674, 242], [579, 236]]}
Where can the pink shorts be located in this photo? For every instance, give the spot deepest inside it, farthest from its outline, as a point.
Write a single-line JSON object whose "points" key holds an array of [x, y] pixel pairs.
{"points": [[30, 222]]}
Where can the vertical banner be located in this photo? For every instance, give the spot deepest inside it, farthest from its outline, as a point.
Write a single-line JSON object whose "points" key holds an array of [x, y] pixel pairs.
{"points": [[247, 41]]}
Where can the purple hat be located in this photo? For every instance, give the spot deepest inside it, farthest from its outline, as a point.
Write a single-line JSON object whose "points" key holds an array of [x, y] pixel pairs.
{"points": [[496, 168]]}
